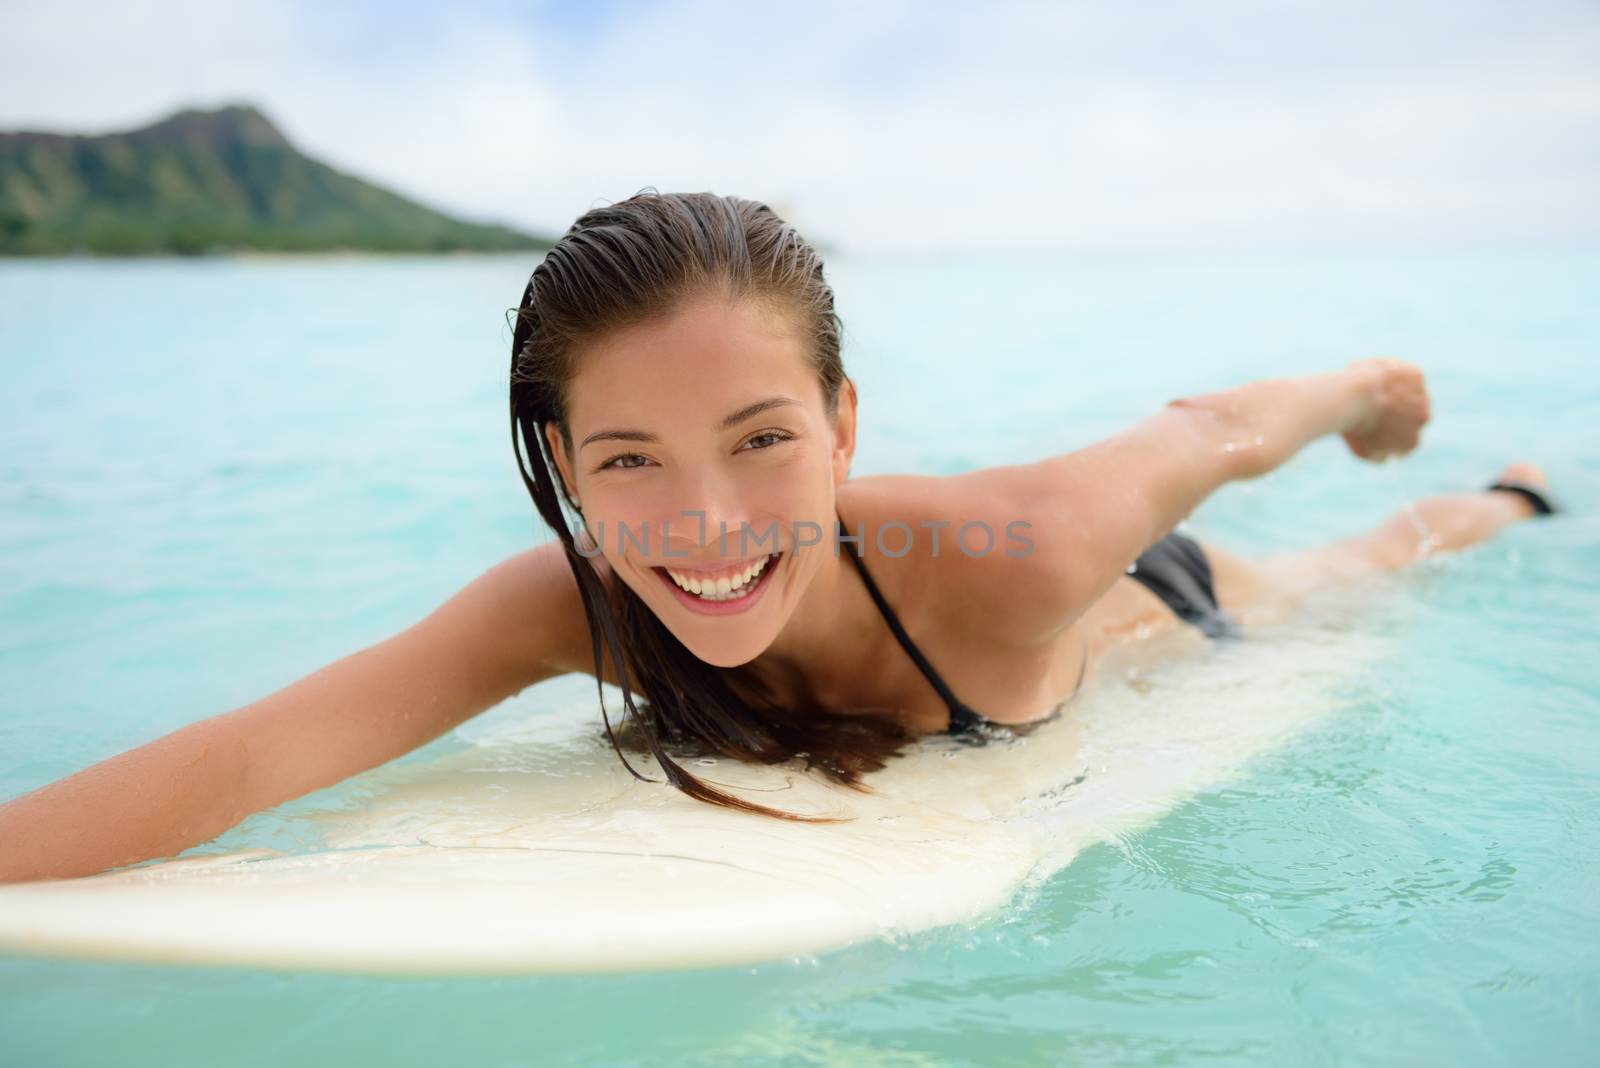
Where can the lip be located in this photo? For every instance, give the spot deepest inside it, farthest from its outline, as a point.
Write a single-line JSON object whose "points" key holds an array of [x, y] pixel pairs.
{"points": [[720, 565], [724, 608]]}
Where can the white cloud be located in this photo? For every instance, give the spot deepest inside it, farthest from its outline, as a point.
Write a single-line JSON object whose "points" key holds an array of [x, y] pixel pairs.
{"points": [[899, 126]]}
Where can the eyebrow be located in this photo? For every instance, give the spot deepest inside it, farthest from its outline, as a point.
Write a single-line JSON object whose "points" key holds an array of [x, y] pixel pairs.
{"points": [[730, 421]]}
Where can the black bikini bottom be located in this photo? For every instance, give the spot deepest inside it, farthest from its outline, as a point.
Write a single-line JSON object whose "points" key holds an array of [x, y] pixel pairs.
{"points": [[1176, 570]]}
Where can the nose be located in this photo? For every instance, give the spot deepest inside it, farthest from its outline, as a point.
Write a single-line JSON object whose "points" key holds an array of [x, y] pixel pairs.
{"points": [[704, 505]]}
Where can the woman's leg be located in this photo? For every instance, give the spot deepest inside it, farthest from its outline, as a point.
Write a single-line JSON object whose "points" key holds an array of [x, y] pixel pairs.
{"points": [[1263, 590]]}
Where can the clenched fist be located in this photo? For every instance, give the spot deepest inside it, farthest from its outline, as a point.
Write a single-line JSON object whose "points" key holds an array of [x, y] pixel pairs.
{"points": [[1398, 411]]}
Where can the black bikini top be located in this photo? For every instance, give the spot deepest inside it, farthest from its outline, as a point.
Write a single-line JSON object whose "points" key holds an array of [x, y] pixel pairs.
{"points": [[963, 718]]}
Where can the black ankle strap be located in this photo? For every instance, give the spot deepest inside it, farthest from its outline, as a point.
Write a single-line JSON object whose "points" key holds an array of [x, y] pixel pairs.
{"points": [[1541, 506]]}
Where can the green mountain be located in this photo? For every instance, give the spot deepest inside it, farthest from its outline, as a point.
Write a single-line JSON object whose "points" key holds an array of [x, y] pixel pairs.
{"points": [[204, 181]]}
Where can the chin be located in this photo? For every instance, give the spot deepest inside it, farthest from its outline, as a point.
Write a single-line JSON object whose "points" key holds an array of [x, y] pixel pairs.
{"points": [[727, 650], [724, 658]]}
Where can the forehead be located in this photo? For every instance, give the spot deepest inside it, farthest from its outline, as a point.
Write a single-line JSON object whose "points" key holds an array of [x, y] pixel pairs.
{"points": [[707, 352]]}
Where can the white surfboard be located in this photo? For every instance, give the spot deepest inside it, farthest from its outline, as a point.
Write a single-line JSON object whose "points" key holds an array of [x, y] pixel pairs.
{"points": [[536, 851]]}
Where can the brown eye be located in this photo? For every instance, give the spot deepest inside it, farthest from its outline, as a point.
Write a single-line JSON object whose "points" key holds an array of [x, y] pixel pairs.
{"points": [[612, 462], [778, 435]]}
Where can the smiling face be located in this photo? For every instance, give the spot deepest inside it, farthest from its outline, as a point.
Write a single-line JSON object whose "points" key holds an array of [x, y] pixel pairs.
{"points": [[717, 409]]}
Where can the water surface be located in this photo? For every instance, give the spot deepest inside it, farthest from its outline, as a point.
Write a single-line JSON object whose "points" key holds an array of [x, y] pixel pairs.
{"points": [[218, 476]]}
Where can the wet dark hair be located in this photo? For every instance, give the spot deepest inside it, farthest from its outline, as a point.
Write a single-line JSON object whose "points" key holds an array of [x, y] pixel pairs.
{"points": [[638, 261]]}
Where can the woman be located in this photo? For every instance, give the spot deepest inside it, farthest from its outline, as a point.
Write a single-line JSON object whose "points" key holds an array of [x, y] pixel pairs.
{"points": [[676, 386]]}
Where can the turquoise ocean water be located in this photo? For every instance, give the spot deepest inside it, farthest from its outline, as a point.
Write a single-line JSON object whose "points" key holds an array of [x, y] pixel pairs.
{"points": [[218, 476]]}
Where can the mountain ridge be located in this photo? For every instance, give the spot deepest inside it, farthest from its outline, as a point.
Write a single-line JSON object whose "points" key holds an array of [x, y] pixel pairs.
{"points": [[210, 180]]}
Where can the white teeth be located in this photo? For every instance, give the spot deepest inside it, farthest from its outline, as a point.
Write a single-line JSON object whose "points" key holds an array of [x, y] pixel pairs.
{"points": [[725, 588]]}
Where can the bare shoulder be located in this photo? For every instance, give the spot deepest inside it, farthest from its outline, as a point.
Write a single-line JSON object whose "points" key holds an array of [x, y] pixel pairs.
{"points": [[984, 552], [534, 596]]}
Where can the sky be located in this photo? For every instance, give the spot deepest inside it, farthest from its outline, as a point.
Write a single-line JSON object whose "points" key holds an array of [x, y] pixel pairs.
{"points": [[879, 126]]}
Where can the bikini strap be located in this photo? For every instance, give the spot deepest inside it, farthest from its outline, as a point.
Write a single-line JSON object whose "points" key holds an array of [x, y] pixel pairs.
{"points": [[961, 716]]}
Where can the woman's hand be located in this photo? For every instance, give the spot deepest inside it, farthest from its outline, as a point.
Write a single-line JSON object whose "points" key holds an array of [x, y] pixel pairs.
{"points": [[1399, 409]]}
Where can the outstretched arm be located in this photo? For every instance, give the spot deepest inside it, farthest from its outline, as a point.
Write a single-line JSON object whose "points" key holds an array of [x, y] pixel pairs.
{"points": [[1094, 510], [1378, 406], [506, 630], [1115, 499]]}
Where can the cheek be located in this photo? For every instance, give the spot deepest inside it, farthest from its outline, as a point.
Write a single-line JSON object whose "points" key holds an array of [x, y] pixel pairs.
{"points": [[800, 477], [789, 483], [789, 497], [614, 502]]}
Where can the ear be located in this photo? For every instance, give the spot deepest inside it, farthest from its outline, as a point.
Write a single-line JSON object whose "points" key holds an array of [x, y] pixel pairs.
{"points": [[558, 449], [844, 432]]}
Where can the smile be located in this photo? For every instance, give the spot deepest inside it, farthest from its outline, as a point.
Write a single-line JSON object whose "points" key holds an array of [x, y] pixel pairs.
{"points": [[729, 592]]}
